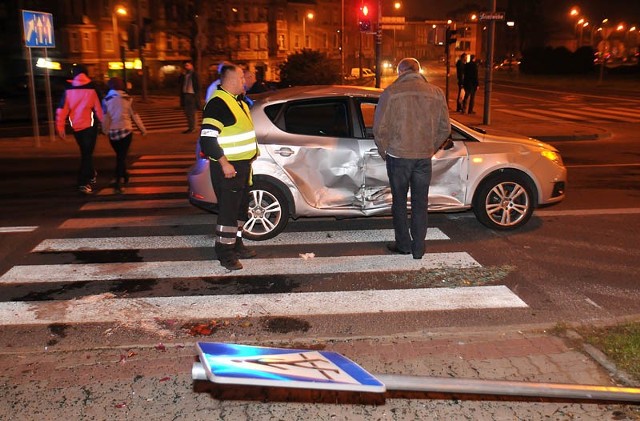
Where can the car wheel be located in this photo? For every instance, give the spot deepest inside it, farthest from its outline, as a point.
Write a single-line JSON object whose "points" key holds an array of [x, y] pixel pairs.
{"points": [[504, 201], [268, 212]]}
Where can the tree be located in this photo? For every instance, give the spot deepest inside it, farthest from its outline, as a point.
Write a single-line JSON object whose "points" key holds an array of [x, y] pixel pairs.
{"points": [[309, 67]]}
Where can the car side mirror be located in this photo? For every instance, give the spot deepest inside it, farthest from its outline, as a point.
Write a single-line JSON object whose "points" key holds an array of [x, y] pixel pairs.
{"points": [[448, 144]]}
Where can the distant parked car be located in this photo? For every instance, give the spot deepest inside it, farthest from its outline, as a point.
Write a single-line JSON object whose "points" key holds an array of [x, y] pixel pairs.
{"points": [[355, 72], [318, 158]]}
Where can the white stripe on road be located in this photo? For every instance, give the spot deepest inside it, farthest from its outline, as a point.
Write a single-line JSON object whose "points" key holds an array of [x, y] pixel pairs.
{"points": [[191, 241], [104, 310], [37, 274], [588, 212], [191, 156], [158, 178], [172, 163], [602, 165], [522, 114], [150, 171], [614, 112], [600, 114], [146, 190], [18, 229], [137, 204]]}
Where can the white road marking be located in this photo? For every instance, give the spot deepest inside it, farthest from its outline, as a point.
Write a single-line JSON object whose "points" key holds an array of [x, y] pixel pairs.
{"points": [[96, 310], [4, 230], [159, 178], [522, 114], [191, 241], [164, 157], [588, 212], [171, 163], [148, 171], [146, 190], [600, 114], [38, 274], [601, 165], [614, 112], [137, 204]]}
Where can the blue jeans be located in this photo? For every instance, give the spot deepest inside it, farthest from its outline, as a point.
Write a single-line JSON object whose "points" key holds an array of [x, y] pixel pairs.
{"points": [[404, 174]]}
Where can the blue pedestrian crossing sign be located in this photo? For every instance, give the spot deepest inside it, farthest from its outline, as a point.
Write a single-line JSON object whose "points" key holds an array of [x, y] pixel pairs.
{"points": [[38, 29], [281, 367]]}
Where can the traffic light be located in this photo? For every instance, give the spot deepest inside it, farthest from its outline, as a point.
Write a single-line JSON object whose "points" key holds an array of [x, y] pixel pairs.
{"points": [[133, 34], [364, 18], [450, 36]]}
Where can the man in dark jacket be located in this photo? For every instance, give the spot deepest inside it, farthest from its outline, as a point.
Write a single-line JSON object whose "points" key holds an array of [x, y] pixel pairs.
{"points": [[460, 76], [189, 95], [470, 84], [411, 123], [81, 106]]}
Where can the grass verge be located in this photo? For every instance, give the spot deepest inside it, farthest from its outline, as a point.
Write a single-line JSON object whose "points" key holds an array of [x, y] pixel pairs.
{"points": [[620, 343]]}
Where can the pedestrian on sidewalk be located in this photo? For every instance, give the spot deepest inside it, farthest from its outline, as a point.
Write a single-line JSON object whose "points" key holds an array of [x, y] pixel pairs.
{"points": [[80, 104], [411, 123], [460, 76], [214, 85], [470, 84], [189, 95], [228, 139], [119, 117]]}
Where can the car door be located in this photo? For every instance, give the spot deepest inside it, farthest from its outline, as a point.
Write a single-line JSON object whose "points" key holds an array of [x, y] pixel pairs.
{"points": [[449, 168], [317, 151]]}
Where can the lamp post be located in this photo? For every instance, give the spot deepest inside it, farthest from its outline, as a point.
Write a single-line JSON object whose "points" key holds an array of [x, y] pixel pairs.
{"points": [[309, 16], [119, 10]]}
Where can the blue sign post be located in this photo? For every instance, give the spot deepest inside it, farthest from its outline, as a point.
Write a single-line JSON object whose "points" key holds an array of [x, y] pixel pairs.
{"points": [[38, 32], [38, 29]]}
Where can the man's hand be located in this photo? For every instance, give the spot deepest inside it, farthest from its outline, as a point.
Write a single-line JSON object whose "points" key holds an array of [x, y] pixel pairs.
{"points": [[227, 168], [61, 134]]}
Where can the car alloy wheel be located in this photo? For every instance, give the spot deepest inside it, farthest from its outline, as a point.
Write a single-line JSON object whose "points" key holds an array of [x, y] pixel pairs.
{"points": [[504, 201], [268, 212]]}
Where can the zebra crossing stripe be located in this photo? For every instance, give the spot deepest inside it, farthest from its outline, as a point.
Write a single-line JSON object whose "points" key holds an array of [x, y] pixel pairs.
{"points": [[193, 241], [161, 178], [101, 309], [149, 171], [172, 163], [555, 114], [65, 273], [521, 114], [136, 204], [191, 156], [602, 115], [4, 230], [147, 190]]}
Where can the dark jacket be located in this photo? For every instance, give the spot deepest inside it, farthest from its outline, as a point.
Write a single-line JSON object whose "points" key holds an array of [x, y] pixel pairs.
{"points": [[411, 119], [471, 76], [195, 81]]}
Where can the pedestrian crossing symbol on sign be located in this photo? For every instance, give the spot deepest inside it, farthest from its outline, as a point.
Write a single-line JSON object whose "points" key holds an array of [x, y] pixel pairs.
{"points": [[38, 29], [281, 367]]}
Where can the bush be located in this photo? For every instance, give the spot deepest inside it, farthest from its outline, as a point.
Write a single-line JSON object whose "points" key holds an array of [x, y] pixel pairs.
{"points": [[309, 67]]}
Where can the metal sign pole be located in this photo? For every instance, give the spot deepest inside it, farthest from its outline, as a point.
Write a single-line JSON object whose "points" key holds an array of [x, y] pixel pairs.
{"points": [[47, 82], [32, 100], [489, 66]]}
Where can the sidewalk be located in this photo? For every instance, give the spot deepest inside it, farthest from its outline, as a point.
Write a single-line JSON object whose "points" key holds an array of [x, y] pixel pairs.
{"points": [[153, 381]]}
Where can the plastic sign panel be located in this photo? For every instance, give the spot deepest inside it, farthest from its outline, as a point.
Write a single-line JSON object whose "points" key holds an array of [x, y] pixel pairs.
{"points": [[38, 29], [280, 367]]}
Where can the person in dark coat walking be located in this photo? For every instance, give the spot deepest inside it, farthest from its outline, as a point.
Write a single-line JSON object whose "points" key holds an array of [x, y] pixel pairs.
{"points": [[470, 84], [189, 95], [460, 76]]}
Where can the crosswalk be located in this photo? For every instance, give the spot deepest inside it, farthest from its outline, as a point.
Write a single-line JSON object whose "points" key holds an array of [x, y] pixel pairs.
{"points": [[163, 114], [111, 229], [575, 114]]}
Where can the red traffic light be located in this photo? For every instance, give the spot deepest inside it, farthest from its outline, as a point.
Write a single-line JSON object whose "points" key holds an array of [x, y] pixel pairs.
{"points": [[364, 18]]}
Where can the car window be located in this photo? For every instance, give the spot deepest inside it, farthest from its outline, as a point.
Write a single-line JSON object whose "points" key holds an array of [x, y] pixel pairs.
{"points": [[367, 113], [317, 118]]}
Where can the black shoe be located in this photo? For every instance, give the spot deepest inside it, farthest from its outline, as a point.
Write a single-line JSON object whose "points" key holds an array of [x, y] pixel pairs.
{"points": [[417, 256], [188, 131], [86, 189], [118, 189], [231, 263], [227, 256], [393, 248], [242, 251]]}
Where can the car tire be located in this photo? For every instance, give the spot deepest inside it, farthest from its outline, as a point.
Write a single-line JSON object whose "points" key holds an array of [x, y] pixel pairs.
{"points": [[504, 201], [268, 212]]}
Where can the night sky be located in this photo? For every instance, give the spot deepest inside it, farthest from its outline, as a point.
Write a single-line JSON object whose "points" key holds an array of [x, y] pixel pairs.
{"points": [[616, 10]]}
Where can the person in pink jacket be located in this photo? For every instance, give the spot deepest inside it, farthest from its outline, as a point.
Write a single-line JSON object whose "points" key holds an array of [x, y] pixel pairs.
{"points": [[81, 106]]}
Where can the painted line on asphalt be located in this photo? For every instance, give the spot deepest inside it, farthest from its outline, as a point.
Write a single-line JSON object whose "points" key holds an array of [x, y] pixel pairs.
{"points": [[171, 163], [588, 212], [602, 165], [522, 114], [146, 190], [64, 273], [602, 115], [101, 309], [137, 204], [157, 178], [614, 112], [6, 230], [149, 171], [191, 156], [192, 241]]}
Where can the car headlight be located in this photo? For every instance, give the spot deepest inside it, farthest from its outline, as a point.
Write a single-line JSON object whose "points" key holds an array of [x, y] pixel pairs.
{"points": [[552, 156]]}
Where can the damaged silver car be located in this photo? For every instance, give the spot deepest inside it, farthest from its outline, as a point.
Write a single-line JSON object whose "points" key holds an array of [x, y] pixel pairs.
{"points": [[318, 158]]}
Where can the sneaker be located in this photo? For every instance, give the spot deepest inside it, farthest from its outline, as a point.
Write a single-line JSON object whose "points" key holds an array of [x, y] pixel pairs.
{"points": [[94, 179], [85, 189]]}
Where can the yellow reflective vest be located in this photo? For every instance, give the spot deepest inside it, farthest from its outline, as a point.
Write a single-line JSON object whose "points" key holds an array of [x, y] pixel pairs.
{"points": [[238, 141]]}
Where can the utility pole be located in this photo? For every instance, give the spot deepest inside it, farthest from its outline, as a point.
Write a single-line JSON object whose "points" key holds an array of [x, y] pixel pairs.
{"points": [[488, 80], [379, 45]]}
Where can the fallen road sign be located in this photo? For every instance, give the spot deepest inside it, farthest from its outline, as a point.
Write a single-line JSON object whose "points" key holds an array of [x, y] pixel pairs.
{"points": [[309, 369], [260, 366]]}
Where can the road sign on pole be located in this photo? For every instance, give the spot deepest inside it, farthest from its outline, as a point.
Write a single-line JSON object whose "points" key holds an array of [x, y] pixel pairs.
{"points": [[492, 16], [280, 367], [38, 29]]}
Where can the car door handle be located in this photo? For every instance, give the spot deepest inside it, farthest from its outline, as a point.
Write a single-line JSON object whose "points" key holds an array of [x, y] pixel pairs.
{"points": [[373, 151], [284, 151]]}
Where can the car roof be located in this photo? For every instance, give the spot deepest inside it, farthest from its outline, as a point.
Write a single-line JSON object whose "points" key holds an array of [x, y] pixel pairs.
{"points": [[317, 91]]}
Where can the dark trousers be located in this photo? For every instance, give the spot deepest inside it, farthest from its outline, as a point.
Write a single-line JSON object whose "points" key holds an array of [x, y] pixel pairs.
{"points": [[469, 96], [190, 106], [86, 140], [405, 174], [459, 106], [233, 197], [121, 148]]}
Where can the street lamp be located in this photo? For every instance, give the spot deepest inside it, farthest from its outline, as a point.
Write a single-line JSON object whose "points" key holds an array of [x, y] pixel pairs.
{"points": [[122, 11], [309, 16]]}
